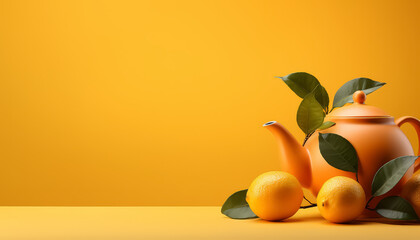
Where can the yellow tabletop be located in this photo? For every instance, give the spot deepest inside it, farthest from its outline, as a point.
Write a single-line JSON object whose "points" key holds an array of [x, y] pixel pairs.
{"points": [[120, 223]]}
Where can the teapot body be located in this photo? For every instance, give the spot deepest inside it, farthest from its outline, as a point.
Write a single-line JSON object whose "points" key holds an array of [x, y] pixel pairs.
{"points": [[376, 140]]}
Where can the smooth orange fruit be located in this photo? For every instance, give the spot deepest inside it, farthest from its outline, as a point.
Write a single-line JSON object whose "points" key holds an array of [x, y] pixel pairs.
{"points": [[341, 199], [411, 192], [275, 195]]}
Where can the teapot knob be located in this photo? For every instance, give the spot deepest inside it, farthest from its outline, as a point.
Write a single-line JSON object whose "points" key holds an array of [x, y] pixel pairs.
{"points": [[359, 97]]}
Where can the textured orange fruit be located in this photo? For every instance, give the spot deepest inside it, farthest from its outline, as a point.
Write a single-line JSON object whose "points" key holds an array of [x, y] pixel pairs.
{"points": [[411, 192], [275, 195], [341, 199]]}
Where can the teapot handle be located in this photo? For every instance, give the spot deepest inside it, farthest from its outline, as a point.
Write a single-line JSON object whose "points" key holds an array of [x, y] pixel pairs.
{"points": [[416, 124]]}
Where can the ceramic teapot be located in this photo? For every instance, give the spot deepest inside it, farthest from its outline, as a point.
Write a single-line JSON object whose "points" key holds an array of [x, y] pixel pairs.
{"points": [[374, 134]]}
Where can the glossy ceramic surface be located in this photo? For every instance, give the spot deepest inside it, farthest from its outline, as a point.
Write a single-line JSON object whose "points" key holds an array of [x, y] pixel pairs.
{"points": [[374, 134]]}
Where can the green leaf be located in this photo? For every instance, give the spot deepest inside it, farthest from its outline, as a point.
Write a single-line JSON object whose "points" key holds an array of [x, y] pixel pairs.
{"points": [[338, 152], [303, 83], [326, 125], [310, 114], [236, 206], [395, 207], [390, 174], [322, 97], [345, 93]]}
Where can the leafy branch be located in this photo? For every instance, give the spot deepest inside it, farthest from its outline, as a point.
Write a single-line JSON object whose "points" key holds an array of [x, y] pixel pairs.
{"points": [[385, 179], [315, 104]]}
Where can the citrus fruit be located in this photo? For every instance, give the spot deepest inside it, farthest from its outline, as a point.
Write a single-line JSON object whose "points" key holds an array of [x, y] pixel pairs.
{"points": [[411, 192], [341, 199], [275, 195]]}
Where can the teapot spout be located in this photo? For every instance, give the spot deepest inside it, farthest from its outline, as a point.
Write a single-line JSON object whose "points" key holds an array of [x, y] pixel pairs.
{"points": [[294, 158]]}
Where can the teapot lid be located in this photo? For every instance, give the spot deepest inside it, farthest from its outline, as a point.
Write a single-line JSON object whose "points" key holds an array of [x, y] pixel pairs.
{"points": [[358, 109]]}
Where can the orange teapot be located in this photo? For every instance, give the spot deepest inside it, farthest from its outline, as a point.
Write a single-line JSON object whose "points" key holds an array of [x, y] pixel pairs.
{"points": [[374, 134]]}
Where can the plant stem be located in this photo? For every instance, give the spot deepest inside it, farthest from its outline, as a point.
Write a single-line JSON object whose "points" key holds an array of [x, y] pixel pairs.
{"points": [[307, 137], [370, 199], [371, 209], [307, 200], [367, 204], [309, 206]]}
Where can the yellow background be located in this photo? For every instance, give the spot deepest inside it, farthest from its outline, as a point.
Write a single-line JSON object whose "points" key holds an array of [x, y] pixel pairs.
{"points": [[162, 102]]}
